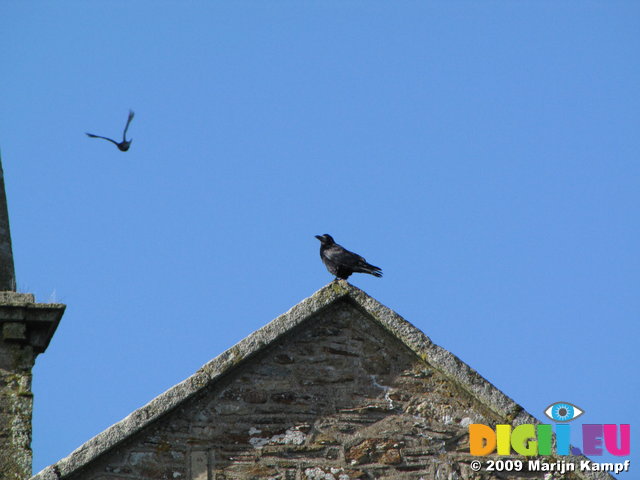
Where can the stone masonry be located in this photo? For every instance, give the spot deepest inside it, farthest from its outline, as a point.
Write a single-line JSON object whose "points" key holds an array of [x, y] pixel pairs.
{"points": [[7, 272], [333, 394], [25, 330]]}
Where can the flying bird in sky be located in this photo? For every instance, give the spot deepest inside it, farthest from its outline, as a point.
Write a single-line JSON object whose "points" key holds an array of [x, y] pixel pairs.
{"points": [[124, 145], [341, 262]]}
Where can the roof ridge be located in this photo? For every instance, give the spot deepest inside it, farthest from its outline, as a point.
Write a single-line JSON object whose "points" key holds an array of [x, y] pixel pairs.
{"points": [[414, 339]]}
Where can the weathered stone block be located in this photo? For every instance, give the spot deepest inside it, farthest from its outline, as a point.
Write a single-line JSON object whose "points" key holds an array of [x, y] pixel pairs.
{"points": [[14, 331]]}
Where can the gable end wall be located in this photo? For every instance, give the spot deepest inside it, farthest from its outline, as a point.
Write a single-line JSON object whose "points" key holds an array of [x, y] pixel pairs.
{"points": [[337, 398]]}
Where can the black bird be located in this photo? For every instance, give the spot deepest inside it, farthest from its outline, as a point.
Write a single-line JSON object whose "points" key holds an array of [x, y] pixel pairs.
{"points": [[341, 262], [124, 145]]}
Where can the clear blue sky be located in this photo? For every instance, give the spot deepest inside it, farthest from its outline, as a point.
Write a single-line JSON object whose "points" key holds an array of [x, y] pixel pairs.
{"points": [[485, 154]]}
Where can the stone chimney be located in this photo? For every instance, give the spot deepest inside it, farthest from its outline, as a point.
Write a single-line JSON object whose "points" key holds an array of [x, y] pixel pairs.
{"points": [[26, 328]]}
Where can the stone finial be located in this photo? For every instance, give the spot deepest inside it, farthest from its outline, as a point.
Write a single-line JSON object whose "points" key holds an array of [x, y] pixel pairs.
{"points": [[7, 272]]}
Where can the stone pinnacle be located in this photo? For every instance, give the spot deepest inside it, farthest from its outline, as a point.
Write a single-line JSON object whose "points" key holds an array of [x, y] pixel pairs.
{"points": [[7, 272]]}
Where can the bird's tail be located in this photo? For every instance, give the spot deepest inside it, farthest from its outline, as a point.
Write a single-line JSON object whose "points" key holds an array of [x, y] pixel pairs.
{"points": [[371, 270]]}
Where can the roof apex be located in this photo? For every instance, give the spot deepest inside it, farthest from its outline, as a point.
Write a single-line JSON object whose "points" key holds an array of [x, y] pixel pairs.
{"points": [[437, 357]]}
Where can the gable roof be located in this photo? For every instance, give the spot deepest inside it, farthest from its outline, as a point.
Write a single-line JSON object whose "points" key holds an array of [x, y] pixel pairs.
{"points": [[340, 290]]}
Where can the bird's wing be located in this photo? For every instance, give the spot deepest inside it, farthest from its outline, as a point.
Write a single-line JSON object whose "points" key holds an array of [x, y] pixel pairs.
{"points": [[126, 127], [98, 136], [342, 256]]}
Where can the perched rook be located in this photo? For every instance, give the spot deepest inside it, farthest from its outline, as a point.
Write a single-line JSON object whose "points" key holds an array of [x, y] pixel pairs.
{"points": [[341, 262]]}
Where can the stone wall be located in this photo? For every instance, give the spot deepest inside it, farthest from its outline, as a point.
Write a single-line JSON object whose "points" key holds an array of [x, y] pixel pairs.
{"points": [[338, 398], [26, 328], [16, 403]]}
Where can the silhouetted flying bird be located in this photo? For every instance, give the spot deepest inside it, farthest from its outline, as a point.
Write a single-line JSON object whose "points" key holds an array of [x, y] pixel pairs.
{"points": [[124, 145], [341, 262]]}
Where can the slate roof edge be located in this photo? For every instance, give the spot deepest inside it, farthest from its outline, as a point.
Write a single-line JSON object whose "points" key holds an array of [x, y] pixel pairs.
{"points": [[438, 357]]}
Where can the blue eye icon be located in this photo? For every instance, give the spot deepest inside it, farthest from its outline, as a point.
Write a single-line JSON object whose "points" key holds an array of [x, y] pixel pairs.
{"points": [[563, 412]]}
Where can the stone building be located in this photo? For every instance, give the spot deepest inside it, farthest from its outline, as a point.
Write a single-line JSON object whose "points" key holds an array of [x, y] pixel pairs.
{"points": [[338, 388], [26, 328]]}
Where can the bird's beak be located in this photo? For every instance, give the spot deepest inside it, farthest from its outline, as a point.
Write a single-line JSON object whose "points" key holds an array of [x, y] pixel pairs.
{"points": [[319, 237]]}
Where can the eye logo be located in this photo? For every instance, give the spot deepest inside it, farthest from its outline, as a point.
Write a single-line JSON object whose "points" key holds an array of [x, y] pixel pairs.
{"points": [[563, 411]]}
